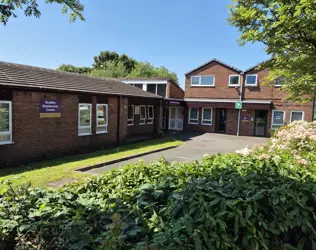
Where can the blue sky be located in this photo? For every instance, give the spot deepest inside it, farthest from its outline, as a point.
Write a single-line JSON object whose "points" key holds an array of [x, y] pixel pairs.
{"points": [[177, 34]]}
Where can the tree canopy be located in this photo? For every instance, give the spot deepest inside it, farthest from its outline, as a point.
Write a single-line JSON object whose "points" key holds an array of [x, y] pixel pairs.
{"points": [[288, 30], [30, 8], [111, 64]]}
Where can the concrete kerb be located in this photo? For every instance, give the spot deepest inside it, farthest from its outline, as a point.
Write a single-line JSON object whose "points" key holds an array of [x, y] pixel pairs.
{"points": [[102, 164]]}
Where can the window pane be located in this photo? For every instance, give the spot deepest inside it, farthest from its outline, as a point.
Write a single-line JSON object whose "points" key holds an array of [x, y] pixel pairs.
{"points": [[4, 117], [151, 88], [207, 80], [150, 112], [234, 80], [84, 131], [297, 116], [278, 118], [161, 90], [5, 137], [207, 114], [195, 80], [140, 86], [102, 129], [101, 115], [251, 80], [130, 112], [143, 112], [194, 113], [279, 81], [84, 115]]}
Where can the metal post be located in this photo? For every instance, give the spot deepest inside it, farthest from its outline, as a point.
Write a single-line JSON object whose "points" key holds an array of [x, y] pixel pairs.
{"points": [[240, 98], [238, 126]]}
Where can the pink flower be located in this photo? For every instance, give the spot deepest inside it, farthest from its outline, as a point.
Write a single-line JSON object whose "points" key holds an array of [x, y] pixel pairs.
{"points": [[264, 156]]}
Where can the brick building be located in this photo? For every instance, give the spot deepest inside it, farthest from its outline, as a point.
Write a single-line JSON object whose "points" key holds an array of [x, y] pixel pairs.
{"points": [[223, 99], [46, 113]]}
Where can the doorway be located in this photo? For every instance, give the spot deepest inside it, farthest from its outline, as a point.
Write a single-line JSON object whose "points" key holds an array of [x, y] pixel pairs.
{"points": [[261, 123], [176, 118], [221, 116]]}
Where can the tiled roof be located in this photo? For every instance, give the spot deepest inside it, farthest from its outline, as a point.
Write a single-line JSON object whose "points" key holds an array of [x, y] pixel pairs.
{"points": [[19, 75], [214, 60], [257, 65]]}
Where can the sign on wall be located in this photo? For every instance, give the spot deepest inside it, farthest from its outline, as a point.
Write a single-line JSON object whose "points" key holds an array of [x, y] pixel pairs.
{"points": [[49, 108], [238, 105], [245, 118]]}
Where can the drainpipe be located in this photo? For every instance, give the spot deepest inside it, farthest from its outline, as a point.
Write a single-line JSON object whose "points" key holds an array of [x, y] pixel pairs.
{"points": [[119, 98], [314, 104], [240, 99]]}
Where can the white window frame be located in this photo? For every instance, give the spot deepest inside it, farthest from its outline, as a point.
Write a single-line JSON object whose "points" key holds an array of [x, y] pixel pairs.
{"points": [[150, 120], [198, 115], [142, 121], [90, 126], [10, 124], [277, 85], [280, 125], [252, 85], [106, 121], [133, 119], [297, 111], [232, 85], [207, 120], [199, 85]]}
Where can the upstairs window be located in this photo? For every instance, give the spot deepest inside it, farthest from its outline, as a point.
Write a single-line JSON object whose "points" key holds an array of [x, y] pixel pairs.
{"points": [[234, 80], [142, 115], [278, 119], [202, 80], [206, 116], [5, 122], [84, 119], [102, 118], [297, 116], [150, 112], [162, 90], [251, 80], [140, 86], [130, 115], [194, 116], [279, 81], [152, 88]]}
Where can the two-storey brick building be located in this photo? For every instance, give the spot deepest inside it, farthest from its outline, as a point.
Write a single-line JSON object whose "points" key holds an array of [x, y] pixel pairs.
{"points": [[223, 99]]}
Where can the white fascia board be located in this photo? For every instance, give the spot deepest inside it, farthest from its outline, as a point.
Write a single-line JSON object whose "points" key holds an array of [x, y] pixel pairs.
{"points": [[145, 81]]}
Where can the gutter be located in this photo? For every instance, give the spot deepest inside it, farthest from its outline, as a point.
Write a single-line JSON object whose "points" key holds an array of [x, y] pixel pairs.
{"points": [[240, 98]]}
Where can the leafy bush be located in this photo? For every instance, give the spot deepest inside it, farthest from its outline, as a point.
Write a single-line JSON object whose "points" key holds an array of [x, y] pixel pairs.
{"points": [[251, 200]]}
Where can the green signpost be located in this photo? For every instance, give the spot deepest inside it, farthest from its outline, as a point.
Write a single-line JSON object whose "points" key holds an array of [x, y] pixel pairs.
{"points": [[238, 105]]}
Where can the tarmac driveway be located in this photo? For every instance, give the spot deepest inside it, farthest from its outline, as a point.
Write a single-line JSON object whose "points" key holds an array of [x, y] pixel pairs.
{"points": [[195, 146]]}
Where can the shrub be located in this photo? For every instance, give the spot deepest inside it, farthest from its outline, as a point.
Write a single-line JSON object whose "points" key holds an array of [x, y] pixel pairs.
{"points": [[257, 199]]}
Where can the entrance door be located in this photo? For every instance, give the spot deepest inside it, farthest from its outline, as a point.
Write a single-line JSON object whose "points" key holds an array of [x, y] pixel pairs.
{"points": [[261, 123], [176, 118], [221, 115]]}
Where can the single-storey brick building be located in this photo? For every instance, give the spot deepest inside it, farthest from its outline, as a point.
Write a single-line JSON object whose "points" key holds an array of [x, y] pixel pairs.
{"points": [[46, 113]]}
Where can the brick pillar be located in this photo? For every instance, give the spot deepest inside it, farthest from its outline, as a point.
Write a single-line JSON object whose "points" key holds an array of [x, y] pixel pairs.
{"points": [[123, 119], [93, 115], [158, 116]]}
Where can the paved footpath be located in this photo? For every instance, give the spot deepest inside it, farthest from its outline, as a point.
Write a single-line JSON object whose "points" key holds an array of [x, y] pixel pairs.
{"points": [[195, 146]]}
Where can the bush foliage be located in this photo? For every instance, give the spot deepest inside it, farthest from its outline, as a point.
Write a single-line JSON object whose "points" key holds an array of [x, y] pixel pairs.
{"points": [[263, 198]]}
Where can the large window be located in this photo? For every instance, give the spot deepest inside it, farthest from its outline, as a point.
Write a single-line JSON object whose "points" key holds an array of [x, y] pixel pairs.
{"points": [[130, 115], [202, 80], [143, 116], [140, 86], [150, 112], [206, 116], [194, 116], [102, 118], [84, 119], [278, 119], [152, 88], [297, 116], [251, 80], [162, 90], [234, 80], [5, 122]]}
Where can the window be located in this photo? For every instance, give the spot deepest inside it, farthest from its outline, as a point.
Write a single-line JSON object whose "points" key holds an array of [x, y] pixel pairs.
{"points": [[161, 90], [152, 88], [202, 80], [251, 80], [5, 122], [278, 119], [234, 80], [102, 118], [84, 119], [206, 116], [130, 115], [140, 86], [297, 116], [150, 112], [279, 81], [143, 116], [193, 116]]}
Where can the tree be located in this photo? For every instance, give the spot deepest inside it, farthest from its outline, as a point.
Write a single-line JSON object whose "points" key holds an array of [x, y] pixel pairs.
{"points": [[30, 8], [73, 69], [288, 30], [112, 69]]}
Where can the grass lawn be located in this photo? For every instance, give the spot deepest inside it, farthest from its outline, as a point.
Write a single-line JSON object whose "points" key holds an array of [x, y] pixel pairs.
{"points": [[41, 173]]}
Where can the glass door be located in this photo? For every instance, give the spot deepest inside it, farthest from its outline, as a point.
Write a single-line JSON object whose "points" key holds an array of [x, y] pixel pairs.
{"points": [[221, 116], [176, 118], [261, 123]]}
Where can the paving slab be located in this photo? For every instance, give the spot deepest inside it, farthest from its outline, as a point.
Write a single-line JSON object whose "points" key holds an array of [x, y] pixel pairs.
{"points": [[196, 145]]}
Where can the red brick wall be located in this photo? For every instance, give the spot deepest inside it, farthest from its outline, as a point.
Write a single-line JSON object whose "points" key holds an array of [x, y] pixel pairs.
{"points": [[247, 127], [220, 90], [174, 91], [36, 137]]}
